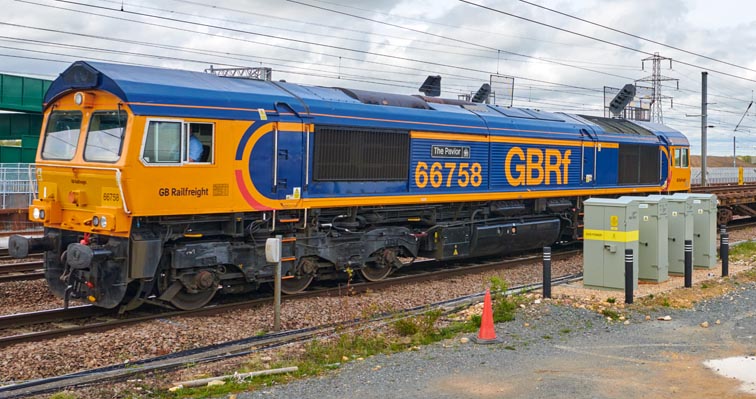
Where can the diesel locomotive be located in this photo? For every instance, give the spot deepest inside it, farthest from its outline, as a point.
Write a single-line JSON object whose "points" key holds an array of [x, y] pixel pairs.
{"points": [[162, 186]]}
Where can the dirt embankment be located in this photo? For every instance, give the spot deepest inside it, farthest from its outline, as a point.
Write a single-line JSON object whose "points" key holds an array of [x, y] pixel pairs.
{"points": [[718, 162]]}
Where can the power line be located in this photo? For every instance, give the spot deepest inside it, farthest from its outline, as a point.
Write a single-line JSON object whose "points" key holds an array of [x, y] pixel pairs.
{"points": [[637, 36], [456, 67], [313, 33], [194, 51], [595, 38], [453, 39]]}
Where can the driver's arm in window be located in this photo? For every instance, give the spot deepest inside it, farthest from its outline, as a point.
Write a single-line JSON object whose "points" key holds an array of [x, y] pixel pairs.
{"points": [[195, 148]]}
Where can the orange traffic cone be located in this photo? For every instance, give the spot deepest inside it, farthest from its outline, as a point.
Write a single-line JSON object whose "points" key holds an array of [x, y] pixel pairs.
{"points": [[487, 334]]}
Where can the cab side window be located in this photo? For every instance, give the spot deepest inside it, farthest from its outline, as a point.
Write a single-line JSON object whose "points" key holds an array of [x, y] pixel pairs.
{"points": [[684, 156], [201, 143], [676, 162], [162, 144]]}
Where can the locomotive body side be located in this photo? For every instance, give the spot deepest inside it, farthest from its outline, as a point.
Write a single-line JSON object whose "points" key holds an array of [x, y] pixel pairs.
{"points": [[352, 183]]}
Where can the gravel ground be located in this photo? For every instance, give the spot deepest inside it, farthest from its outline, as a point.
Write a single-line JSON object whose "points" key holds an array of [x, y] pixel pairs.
{"points": [[65, 355], [26, 296], [561, 352], [17, 297], [739, 235]]}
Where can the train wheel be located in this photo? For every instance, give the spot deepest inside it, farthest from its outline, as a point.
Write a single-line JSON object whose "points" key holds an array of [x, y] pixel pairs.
{"points": [[203, 287], [384, 261], [375, 271], [185, 300], [295, 285]]}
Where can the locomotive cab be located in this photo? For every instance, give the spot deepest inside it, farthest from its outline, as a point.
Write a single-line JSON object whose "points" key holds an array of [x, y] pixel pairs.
{"points": [[679, 170], [80, 197]]}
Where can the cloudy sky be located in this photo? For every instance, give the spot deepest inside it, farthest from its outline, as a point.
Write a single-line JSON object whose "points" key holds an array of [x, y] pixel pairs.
{"points": [[558, 62]]}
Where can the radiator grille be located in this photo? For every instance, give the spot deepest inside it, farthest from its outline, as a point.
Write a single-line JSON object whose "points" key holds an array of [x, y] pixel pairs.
{"points": [[638, 164], [360, 154]]}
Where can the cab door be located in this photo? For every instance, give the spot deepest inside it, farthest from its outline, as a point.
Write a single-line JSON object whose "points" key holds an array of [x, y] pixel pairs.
{"points": [[288, 154], [679, 179], [588, 147]]}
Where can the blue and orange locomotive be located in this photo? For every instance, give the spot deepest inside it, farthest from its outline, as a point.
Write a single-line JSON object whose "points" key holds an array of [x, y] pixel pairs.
{"points": [[162, 185]]}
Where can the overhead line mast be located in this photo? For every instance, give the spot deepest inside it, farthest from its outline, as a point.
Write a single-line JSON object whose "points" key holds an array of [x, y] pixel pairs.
{"points": [[656, 80]]}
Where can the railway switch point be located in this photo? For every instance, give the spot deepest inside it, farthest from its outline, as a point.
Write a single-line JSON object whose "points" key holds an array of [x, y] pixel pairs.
{"points": [[487, 334]]}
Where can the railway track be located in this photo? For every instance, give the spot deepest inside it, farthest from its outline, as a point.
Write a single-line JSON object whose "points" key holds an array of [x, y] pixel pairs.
{"points": [[79, 320], [722, 188], [741, 224], [232, 349], [21, 271], [38, 326], [33, 232], [8, 259]]}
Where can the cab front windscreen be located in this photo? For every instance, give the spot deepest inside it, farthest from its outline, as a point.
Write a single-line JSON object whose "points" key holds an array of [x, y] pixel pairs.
{"points": [[105, 136], [62, 135]]}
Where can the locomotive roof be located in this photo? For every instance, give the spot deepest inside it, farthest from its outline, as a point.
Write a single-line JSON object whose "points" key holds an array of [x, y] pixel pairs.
{"points": [[169, 92]]}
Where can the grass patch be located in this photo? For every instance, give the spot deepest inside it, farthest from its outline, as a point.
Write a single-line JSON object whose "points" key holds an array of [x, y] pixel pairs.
{"points": [[504, 307], [612, 314], [565, 331], [611, 300], [421, 329], [318, 357], [744, 251]]}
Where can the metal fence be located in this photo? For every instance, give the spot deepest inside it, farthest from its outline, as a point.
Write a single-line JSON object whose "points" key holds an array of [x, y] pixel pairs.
{"points": [[18, 187], [723, 175]]}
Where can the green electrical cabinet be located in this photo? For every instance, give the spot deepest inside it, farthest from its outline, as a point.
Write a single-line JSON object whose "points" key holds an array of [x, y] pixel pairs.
{"points": [[680, 216], [610, 227], [653, 233], [704, 228]]}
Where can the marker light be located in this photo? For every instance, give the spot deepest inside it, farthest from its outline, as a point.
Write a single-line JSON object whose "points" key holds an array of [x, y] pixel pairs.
{"points": [[103, 222], [42, 214], [35, 213], [79, 98], [91, 298], [95, 221]]}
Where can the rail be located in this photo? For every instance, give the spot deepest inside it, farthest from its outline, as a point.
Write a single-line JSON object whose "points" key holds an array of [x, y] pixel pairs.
{"points": [[233, 349], [437, 271]]}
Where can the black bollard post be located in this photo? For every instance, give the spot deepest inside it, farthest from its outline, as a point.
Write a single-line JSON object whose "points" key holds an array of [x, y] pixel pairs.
{"points": [[629, 279], [724, 253], [547, 272], [688, 263]]}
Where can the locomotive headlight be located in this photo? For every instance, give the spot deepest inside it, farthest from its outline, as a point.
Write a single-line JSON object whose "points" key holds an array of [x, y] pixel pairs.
{"points": [[79, 98], [35, 213], [42, 214], [103, 222], [95, 221]]}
